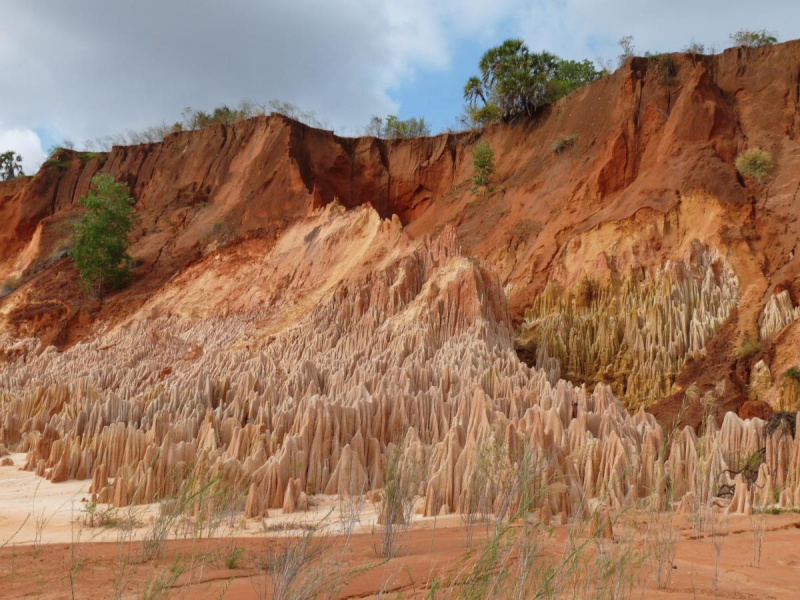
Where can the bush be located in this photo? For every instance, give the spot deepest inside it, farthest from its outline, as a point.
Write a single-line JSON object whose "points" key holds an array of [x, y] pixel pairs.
{"points": [[396, 128], [100, 238], [753, 39], [561, 144], [755, 162], [749, 346], [667, 69], [483, 169], [8, 286]]}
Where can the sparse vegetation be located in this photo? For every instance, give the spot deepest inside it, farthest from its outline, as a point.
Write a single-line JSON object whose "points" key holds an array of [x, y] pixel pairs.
{"points": [[694, 47], [233, 558], [753, 39], [667, 69], [626, 49], [100, 239], [749, 346], [396, 510], [9, 285], [482, 169], [755, 162], [197, 119], [564, 143], [395, 128]]}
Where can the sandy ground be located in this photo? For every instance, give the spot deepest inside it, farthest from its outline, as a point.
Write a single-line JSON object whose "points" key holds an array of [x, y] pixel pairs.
{"points": [[74, 560]]}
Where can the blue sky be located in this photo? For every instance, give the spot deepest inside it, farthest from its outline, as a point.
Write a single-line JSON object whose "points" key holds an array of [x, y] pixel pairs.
{"points": [[83, 70]]}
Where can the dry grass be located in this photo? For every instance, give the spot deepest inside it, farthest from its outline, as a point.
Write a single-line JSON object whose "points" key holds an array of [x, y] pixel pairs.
{"points": [[755, 162]]}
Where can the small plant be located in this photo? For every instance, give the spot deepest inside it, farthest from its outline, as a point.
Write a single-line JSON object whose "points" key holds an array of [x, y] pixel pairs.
{"points": [[627, 50], [100, 238], [755, 163], [9, 285], [793, 373], [749, 346], [758, 521], [396, 128], [694, 47], [396, 507], [667, 69], [753, 39], [564, 143], [719, 531], [483, 169], [233, 557], [161, 584]]}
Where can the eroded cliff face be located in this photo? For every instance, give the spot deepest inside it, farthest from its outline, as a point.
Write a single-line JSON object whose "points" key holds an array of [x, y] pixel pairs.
{"points": [[303, 303]]}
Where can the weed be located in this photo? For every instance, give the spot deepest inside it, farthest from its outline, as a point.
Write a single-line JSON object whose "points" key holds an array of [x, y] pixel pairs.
{"points": [[749, 346], [564, 143], [233, 557]]}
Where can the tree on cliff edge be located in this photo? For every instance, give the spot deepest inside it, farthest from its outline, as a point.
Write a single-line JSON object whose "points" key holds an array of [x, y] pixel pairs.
{"points": [[100, 239], [10, 165]]}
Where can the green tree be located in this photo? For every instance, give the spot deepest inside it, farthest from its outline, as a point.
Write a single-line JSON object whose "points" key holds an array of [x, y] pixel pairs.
{"points": [[100, 238], [482, 169], [515, 81], [753, 39], [10, 165]]}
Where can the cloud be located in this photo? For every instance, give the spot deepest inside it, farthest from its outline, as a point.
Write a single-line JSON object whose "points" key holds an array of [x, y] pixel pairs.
{"points": [[590, 28], [92, 69], [25, 143], [82, 70]]}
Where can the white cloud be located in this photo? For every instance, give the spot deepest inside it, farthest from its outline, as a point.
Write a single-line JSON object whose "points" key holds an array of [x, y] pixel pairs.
{"points": [[25, 143], [90, 69]]}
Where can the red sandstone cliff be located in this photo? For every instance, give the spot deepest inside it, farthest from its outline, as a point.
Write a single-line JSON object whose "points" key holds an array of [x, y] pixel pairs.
{"points": [[650, 174]]}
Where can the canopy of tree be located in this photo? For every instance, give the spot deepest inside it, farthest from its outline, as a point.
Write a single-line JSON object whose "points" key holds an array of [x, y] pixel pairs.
{"points": [[515, 81], [10, 165], [100, 239]]}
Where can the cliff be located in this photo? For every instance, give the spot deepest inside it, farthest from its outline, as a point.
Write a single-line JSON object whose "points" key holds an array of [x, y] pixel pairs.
{"points": [[306, 298]]}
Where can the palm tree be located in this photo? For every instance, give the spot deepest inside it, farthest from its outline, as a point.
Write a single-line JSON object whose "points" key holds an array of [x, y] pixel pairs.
{"points": [[474, 90]]}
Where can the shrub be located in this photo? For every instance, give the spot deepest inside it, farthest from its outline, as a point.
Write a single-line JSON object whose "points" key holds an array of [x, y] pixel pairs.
{"points": [[626, 47], [483, 169], [667, 70], [749, 346], [401, 481], [755, 162], [100, 238], [563, 143], [694, 47], [753, 39], [793, 373], [396, 128], [8, 286]]}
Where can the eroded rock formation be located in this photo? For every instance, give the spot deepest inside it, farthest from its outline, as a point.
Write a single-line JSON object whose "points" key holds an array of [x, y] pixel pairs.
{"points": [[305, 304]]}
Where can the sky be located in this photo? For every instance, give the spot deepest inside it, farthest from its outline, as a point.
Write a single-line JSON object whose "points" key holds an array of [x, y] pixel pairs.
{"points": [[82, 69]]}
